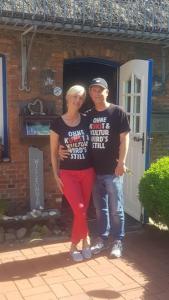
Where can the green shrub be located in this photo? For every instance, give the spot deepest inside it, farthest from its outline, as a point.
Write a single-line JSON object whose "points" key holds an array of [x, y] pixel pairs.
{"points": [[154, 191]]}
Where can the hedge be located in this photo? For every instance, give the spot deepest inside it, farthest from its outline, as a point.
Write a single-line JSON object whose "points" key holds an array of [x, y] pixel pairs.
{"points": [[154, 191]]}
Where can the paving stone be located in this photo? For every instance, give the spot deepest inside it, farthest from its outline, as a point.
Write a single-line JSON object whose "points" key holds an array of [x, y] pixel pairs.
{"points": [[75, 273], [44, 296], [23, 284], [59, 290], [35, 291], [73, 287], [13, 296]]}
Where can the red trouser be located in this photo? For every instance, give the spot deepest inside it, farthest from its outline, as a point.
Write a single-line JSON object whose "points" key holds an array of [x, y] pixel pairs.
{"points": [[77, 189]]}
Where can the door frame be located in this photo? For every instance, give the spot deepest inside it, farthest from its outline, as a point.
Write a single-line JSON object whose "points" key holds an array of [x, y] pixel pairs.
{"points": [[100, 61], [149, 114], [92, 60]]}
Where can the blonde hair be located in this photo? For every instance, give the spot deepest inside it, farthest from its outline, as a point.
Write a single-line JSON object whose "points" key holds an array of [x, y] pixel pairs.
{"points": [[75, 89]]}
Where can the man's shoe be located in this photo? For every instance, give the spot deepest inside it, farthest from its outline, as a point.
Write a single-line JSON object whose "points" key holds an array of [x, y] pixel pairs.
{"points": [[117, 248], [98, 247]]}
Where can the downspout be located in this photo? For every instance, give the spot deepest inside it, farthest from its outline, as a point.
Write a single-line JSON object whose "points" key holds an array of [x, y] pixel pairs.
{"points": [[25, 57]]}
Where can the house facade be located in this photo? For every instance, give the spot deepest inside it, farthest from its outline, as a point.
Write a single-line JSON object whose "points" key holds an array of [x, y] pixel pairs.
{"points": [[46, 48]]}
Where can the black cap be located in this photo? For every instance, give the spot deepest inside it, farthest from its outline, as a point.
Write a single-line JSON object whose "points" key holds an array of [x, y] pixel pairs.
{"points": [[99, 81]]}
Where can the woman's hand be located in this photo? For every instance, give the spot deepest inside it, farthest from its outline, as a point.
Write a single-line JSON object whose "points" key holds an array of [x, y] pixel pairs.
{"points": [[63, 152], [59, 184]]}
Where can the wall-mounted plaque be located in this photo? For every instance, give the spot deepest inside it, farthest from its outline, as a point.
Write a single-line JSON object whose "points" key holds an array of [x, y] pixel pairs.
{"points": [[36, 178], [57, 91], [37, 127], [36, 107], [35, 118]]}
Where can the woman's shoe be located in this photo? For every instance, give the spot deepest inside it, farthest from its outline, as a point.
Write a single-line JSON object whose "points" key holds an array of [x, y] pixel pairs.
{"points": [[76, 255], [86, 253]]}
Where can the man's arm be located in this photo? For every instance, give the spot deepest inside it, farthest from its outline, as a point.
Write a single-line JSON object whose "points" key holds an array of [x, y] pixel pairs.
{"points": [[123, 149]]}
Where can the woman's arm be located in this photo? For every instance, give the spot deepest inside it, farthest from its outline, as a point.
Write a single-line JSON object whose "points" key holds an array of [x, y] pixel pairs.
{"points": [[54, 146]]}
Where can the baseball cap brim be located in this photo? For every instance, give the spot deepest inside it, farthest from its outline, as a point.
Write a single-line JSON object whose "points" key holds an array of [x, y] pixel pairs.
{"points": [[99, 82]]}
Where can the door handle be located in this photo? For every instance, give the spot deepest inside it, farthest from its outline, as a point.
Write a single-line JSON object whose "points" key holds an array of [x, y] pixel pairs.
{"points": [[138, 137]]}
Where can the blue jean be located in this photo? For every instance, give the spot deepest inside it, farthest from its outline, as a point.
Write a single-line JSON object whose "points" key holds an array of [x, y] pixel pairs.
{"points": [[108, 202]]}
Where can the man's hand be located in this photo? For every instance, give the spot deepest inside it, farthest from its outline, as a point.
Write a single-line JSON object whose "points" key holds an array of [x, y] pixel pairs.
{"points": [[120, 169], [63, 152], [124, 143]]}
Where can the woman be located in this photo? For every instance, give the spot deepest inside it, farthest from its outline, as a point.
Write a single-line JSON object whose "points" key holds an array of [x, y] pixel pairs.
{"points": [[76, 175]]}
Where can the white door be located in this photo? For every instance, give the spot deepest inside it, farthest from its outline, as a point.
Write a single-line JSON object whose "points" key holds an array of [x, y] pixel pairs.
{"points": [[134, 97]]}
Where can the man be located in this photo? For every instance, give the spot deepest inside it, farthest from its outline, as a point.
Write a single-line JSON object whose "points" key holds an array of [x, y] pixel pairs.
{"points": [[109, 131]]}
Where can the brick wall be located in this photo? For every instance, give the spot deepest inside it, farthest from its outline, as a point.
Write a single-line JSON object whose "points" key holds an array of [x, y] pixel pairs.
{"points": [[159, 146], [14, 179], [49, 51]]}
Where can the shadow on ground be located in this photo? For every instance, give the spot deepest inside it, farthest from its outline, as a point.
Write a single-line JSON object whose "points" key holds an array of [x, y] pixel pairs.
{"points": [[104, 294], [147, 252]]}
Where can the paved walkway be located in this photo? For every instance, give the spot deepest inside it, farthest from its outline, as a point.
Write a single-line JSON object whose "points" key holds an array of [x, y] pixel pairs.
{"points": [[45, 272]]}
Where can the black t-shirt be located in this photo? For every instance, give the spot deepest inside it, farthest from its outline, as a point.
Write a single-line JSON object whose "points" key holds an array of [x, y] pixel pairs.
{"points": [[76, 140], [105, 128]]}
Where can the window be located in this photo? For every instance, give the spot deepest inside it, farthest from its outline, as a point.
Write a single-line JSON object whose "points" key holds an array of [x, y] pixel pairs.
{"points": [[132, 102]]}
